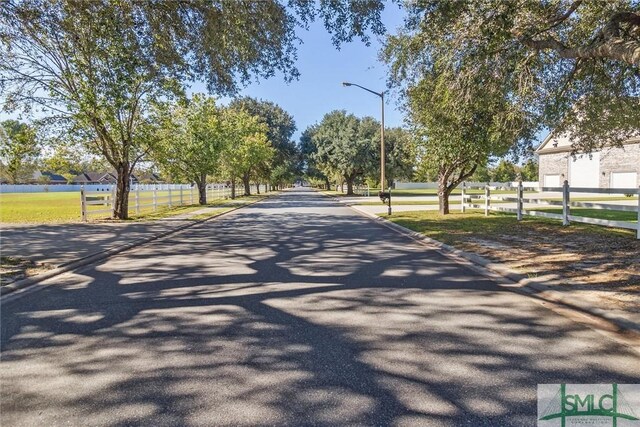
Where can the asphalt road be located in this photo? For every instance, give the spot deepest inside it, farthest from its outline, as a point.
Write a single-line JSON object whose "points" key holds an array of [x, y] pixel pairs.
{"points": [[294, 311]]}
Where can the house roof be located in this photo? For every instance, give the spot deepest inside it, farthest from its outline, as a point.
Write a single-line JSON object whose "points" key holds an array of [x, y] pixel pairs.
{"points": [[562, 143], [147, 176], [53, 177], [95, 177]]}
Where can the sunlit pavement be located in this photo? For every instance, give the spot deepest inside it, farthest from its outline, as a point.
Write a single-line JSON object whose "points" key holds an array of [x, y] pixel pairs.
{"points": [[294, 311]]}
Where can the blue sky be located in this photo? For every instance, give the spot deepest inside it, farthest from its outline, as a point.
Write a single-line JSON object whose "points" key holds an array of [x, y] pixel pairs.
{"points": [[319, 89]]}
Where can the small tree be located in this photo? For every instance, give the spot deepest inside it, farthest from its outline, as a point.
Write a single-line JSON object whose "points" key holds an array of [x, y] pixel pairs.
{"points": [[247, 148], [281, 128], [65, 161], [529, 171], [189, 140], [458, 136], [482, 174], [506, 171], [347, 146], [19, 150], [400, 151], [310, 159]]}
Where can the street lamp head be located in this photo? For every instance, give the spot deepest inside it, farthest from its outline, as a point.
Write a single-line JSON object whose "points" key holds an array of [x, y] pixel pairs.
{"points": [[346, 84]]}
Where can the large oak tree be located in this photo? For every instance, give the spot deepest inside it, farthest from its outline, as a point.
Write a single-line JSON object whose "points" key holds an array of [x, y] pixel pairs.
{"points": [[346, 146], [575, 64]]}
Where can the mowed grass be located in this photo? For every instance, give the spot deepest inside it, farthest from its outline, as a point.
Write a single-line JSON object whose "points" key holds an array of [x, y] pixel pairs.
{"points": [[457, 227], [39, 207], [20, 208], [597, 213]]}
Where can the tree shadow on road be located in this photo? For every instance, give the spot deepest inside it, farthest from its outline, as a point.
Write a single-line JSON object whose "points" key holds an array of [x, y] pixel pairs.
{"points": [[290, 319]]}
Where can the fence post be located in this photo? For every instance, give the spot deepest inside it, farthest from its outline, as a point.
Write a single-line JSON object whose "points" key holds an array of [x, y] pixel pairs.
{"points": [[462, 200], [169, 188], [138, 199], [181, 203], [565, 203], [519, 202], [113, 201], [155, 197], [638, 232], [487, 199], [83, 204]]}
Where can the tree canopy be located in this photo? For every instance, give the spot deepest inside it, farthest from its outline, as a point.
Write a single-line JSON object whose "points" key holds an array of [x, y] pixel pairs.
{"points": [[18, 151], [280, 129], [572, 64], [346, 146], [455, 137], [100, 64], [189, 140], [248, 147]]}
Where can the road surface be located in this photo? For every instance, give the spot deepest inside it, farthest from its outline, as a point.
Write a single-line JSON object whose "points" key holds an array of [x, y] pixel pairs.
{"points": [[294, 311]]}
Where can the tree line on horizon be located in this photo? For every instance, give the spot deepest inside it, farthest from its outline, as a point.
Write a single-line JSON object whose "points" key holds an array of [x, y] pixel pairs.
{"points": [[191, 140], [477, 81]]}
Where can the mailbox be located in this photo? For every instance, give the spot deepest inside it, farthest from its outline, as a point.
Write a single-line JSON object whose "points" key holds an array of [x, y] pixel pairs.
{"points": [[384, 196]]}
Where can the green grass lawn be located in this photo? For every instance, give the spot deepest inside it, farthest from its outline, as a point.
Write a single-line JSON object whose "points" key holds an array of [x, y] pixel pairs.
{"points": [[456, 226], [39, 207], [65, 207], [596, 213]]}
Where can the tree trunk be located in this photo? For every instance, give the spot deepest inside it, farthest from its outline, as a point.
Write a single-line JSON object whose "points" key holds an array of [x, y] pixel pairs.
{"points": [[121, 203], [443, 196], [257, 188], [349, 187], [247, 185], [202, 189], [327, 184], [233, 188]]}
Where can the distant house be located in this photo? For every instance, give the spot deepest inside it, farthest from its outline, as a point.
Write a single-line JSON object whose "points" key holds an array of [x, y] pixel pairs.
{"points": [[45, 177], [87, 178], [111, 177], [52, 178], [147, 178], [612, 167]]}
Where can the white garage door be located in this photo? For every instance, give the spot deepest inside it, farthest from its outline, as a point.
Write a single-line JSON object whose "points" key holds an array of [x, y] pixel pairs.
{"points": [[624, 180], [584, 171], [552, 181]]}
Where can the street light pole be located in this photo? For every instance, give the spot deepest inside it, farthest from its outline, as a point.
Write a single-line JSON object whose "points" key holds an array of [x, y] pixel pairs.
{"points": [[382, 150]]}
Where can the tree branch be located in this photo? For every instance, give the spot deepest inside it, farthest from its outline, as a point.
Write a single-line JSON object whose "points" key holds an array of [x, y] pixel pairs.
{"points": [[606, 44]]}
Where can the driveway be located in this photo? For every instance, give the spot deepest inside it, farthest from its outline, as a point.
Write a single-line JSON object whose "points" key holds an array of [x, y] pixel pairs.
{"points": [[293, 311]]}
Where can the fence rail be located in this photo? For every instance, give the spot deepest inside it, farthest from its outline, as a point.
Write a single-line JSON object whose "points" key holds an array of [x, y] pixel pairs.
{"points": [[146, 197], [566, 204]]}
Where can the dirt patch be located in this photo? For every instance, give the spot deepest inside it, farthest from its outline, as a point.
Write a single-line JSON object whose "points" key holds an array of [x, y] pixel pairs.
{"points": [[12, 269], [596, 262], [606, 264]]}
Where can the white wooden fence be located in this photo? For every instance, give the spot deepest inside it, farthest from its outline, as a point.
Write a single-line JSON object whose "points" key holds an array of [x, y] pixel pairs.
{"points": [[566, 204], [146, 197], [434, 185]]}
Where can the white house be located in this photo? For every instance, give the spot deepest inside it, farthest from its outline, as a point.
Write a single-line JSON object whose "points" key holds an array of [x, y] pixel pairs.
{"points": [[611, 167]]}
